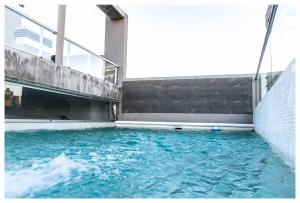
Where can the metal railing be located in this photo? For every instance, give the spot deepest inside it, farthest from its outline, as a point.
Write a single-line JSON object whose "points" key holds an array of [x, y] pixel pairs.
{"points": [[268, 33], [29, 35], [278, 48]]}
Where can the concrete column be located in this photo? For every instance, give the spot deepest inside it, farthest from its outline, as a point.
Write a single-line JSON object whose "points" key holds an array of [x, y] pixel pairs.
{"points": [[116, 28], [116, 44], [109, 111], [60, 34], [116, 38], [255, 93]]}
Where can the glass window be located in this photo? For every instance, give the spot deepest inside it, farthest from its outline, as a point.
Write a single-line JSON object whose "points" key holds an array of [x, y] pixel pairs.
{"points": [[28, 103]]}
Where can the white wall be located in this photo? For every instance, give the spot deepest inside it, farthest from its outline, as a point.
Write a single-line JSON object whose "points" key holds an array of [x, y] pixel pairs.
{"points": [[274, 117], [43, 124]]}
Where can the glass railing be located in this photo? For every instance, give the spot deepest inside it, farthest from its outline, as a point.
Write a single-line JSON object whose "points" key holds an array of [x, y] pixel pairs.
{"points": [[26, 34], [280, 49], [81, 60], [110, 73]]}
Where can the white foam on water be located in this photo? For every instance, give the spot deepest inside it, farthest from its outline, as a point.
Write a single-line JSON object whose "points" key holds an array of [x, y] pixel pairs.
{"points": [[93, 154], [40, 176], [45, 173]]}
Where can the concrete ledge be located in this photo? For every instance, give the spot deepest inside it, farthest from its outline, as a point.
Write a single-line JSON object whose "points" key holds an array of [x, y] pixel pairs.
{"points": [[32, 124], [184, 126], [192, 77], [25, 68]]}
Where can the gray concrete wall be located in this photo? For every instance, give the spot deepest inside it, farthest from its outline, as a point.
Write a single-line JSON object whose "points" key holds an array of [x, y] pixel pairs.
{"points": [[207, 95], [224, 99], [21, 67]]}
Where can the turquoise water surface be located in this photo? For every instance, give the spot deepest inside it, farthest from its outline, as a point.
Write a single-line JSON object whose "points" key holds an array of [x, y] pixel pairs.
{"points": [[136, 163]]}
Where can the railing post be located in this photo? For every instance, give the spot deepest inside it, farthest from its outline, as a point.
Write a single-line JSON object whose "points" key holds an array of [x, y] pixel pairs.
{"points": [[68, 54], [60, 34], [116, 75], [103, 70]]}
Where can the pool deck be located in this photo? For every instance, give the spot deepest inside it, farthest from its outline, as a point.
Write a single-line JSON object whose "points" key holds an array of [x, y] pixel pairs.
{"points": [[36, 124]]}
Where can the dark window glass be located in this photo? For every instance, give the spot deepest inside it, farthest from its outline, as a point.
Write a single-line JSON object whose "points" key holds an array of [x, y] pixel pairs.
{"points": [[28, 103]]}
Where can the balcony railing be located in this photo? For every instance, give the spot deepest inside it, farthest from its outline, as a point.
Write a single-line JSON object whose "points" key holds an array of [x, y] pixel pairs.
{"points": [[27, 34], [279, 47]]}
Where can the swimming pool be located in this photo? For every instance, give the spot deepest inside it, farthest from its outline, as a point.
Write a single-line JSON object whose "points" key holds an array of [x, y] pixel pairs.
{"points": [[140, 163]]}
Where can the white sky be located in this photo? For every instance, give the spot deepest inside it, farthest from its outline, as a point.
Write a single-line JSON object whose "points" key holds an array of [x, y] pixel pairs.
{"points": [[177, 40], [281, 46], [194, 40]]}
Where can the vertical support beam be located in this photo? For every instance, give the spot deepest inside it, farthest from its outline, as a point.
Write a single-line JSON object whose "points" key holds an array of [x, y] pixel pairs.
{"points": [[116, 49], [116, 29], [256, 89], [116, 44], [60, 34], [109, 111], [254, 94]]}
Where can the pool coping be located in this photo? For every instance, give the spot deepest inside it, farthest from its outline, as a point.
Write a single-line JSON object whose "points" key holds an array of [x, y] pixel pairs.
{"points": [[184, 125], [40, 124], [43, 124]]}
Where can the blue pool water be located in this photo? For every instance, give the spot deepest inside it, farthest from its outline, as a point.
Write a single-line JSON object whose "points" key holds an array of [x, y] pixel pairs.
{"points": [[131, 163]]}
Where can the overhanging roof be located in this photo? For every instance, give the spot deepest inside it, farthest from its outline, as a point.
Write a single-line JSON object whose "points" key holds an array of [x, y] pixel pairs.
{"points": [[112, 11]]}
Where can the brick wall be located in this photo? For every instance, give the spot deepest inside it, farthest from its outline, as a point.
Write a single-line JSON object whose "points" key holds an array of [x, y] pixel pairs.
{"points": [[274, 117]]}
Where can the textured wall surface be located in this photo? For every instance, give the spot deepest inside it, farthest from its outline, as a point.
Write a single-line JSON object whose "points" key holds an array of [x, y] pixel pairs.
{"points": [[231, 95], [21, 67], [274, 116]]}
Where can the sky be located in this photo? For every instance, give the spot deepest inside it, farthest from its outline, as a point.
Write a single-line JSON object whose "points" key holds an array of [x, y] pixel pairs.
{"points": [[194, 40], [281, 46], [179, 40]]}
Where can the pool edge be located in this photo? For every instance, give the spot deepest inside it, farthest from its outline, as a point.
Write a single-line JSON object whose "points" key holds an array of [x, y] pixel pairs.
{"points": [[185, 126], [34, 124]]}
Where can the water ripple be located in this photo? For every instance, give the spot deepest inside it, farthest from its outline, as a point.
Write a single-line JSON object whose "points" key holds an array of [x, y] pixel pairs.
{"points": [[127, 163]]}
